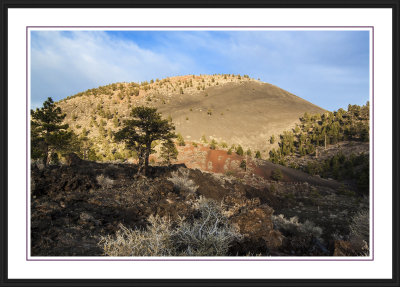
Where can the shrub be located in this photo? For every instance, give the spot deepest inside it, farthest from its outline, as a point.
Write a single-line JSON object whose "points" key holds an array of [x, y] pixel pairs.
{"points": [[294, 227], [243, 164], [182, 182], [213, 144], [346, 192], [230, 173], [209, 234], [155, 241], [104, 181], [239, 150], [181, 141], [276, 174], [359, 226], [272, 139], [258, 154]]}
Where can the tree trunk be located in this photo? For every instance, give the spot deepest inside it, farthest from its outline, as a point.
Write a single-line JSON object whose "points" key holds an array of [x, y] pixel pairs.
{"points": [[46, 155], [141, 154], [146, 157], [49, 155]]}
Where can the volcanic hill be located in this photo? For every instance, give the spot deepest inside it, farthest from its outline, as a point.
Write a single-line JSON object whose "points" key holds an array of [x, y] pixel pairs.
{"points": [[232, 109]]}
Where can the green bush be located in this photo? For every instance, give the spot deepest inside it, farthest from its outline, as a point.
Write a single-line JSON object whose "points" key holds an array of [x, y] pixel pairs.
{"points": [[239, 150], [181, 141], [277, 174], [213, 144], [243, 165]]}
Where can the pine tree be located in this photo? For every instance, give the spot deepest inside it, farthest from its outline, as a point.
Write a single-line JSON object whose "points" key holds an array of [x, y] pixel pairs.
{"points": [[181, 141], [239, 150], [145, 127], [272, 139], [169, 151], [48, 134]]}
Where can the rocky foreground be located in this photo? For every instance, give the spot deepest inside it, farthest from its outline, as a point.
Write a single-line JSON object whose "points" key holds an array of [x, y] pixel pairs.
{"points": [[76, 206]]}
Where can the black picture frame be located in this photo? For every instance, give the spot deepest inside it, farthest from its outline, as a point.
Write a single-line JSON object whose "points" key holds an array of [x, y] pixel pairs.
{"points": [[394, 5]]}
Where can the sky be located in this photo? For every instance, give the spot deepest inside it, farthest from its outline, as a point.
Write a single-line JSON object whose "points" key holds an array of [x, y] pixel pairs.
{"points": [[327, 68]]}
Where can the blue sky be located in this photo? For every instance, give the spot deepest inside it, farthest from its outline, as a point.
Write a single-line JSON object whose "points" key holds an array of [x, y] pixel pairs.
{"points": [[327, 68]]}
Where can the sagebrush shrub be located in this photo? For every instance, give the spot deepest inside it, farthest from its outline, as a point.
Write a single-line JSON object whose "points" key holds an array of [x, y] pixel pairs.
{"points": [[359, 226], [155, 241], [104, 181], [209, 234], [293, 226], [181, 181]]}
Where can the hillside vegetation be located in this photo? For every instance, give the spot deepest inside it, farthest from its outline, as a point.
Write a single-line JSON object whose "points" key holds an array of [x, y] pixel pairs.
{"points": [[229, 109], [331, 145]]}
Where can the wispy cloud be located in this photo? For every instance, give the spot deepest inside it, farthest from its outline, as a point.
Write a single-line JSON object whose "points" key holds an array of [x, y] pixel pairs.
{"points": [[66, 63], [328, 68]]}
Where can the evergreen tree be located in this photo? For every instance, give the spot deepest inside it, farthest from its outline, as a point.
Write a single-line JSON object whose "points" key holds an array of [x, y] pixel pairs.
{"points": [[48, 134], [213, 144], [145, 127], [181, 141], [169, 151], [239, 150], [272, 139]]}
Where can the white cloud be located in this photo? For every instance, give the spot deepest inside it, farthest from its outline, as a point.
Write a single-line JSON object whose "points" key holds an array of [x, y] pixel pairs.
{"points": [[64, 63]]}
